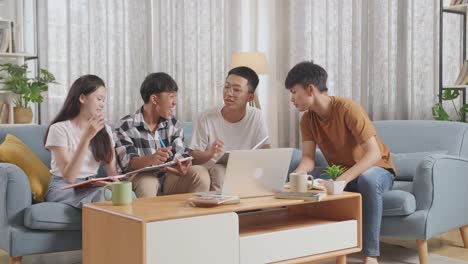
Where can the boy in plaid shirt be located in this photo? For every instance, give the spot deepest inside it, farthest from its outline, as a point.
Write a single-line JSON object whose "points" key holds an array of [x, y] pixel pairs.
{"points": [[153, 136]]}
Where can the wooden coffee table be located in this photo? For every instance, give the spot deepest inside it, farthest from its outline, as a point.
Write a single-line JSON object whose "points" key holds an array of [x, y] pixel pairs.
{"points": [[258, 230]]}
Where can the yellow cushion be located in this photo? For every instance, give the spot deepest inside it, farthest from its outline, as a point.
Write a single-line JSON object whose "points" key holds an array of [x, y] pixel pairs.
{"points": [[14, 151]]}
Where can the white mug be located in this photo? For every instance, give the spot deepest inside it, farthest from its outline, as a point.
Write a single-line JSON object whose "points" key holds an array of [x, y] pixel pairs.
{"points": [[298, 181]]}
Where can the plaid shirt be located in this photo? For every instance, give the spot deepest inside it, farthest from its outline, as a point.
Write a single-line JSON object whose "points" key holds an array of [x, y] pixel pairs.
{"points": [[133, 138]]}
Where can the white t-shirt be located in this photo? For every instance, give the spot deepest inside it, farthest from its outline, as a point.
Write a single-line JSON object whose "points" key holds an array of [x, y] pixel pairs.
{"points": [[244, 134], [66, 134]]}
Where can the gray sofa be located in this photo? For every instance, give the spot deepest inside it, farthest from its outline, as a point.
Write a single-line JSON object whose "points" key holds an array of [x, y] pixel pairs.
{"points": [[428, 196], [28, 228], [424, 202]]}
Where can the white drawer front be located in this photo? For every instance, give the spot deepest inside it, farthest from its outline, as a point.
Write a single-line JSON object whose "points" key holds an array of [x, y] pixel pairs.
{"points": [[202, 239], [299, 242]]}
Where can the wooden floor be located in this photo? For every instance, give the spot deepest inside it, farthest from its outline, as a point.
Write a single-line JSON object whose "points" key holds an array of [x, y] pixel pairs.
{"points": [[448, 244]]}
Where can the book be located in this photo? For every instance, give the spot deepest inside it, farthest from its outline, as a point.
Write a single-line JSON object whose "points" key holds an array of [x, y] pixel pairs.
{"points": [[309, 196], [2, 37], [5, 39], [316, 184], [128, 174], [159, 166], [6, 114], [88, 182], [2, 112], [12, 48], [213, 200]]}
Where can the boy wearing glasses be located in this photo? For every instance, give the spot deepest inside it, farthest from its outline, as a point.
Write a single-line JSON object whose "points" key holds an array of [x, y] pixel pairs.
{"points": [[233, 126]]}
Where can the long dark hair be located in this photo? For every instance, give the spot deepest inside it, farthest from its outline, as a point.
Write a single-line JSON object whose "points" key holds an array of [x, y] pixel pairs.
{"points": [[86, 84]]}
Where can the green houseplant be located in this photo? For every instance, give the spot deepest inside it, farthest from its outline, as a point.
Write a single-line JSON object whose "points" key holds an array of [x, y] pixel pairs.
{"points": [[439, 113], [333, 186], [334, 171], [28, 90]]}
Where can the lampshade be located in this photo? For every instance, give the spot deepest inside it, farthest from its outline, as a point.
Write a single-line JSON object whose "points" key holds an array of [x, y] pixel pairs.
{"points": [[254, 60]]}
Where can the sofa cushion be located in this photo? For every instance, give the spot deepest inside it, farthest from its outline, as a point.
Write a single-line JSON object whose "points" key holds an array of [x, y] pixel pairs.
{"points": [[14, 151], [32, 136], [52, 216], [188, 132], [406, 186], [407, 163], [397, 203]]}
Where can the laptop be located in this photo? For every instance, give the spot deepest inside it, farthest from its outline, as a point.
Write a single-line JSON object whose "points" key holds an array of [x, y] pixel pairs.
{"points": [[255, 173]]}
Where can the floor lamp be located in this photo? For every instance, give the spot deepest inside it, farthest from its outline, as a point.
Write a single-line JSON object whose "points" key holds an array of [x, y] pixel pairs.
{"points": [[256, 61]]}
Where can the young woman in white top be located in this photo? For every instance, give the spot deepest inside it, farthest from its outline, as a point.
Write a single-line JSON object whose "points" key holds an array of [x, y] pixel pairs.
{"points": [[79, 141]]}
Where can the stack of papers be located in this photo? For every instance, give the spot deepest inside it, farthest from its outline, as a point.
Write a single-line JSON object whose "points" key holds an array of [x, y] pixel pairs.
{"points": [[308, 196], [316, 184], [213, 200]]}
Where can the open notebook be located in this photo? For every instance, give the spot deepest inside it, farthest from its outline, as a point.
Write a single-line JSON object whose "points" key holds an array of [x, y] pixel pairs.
{"points": [[128, 174]]}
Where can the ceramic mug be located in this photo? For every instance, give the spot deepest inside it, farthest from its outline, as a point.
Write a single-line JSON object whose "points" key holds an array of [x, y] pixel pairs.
{"points": [[121, 193], [298, 181]]}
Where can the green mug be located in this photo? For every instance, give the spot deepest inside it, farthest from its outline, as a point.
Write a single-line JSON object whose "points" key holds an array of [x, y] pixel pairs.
{"points": [[121, 193]]}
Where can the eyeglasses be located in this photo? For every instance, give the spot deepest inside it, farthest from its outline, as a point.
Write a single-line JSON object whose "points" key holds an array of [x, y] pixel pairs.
{"points": [[235, 90]]}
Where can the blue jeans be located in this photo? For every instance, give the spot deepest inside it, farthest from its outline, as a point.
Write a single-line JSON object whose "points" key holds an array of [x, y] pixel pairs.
{"points": [[371, 184]]}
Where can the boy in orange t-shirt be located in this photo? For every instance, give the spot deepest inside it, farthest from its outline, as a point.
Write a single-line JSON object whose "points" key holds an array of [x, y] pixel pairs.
{"points": [[346, 137]]}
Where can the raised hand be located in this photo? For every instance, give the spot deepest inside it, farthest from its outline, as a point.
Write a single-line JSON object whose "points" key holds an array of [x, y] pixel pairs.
{"points": [[161, 155], [216, 148], [95, 124]]}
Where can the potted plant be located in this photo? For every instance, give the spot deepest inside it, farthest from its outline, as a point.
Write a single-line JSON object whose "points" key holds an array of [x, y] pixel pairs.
{"points": [[27, 89], [439, 113], [333, 186]]}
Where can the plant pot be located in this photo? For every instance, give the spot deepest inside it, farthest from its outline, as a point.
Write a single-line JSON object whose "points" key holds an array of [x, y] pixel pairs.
{"points": [[335, 187], [22, 115]]}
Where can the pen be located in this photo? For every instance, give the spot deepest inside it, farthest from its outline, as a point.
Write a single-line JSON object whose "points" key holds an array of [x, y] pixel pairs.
{"points": [[164, 146], [260, 143]]}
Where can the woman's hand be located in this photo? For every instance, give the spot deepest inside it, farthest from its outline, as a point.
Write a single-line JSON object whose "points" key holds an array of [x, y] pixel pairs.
{"points": [[95, 124]]}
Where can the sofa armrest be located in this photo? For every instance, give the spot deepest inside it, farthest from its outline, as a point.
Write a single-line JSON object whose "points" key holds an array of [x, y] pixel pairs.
{"points": [[439, 186], [16, 195]]}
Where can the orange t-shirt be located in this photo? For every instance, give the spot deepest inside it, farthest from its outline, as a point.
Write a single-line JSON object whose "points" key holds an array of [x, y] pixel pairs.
{"points": [[340, 136]]}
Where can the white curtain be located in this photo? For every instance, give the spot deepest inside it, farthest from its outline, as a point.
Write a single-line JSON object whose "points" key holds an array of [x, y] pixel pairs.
{"points": [[111, 39], [381, 53], [194, 42]]}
